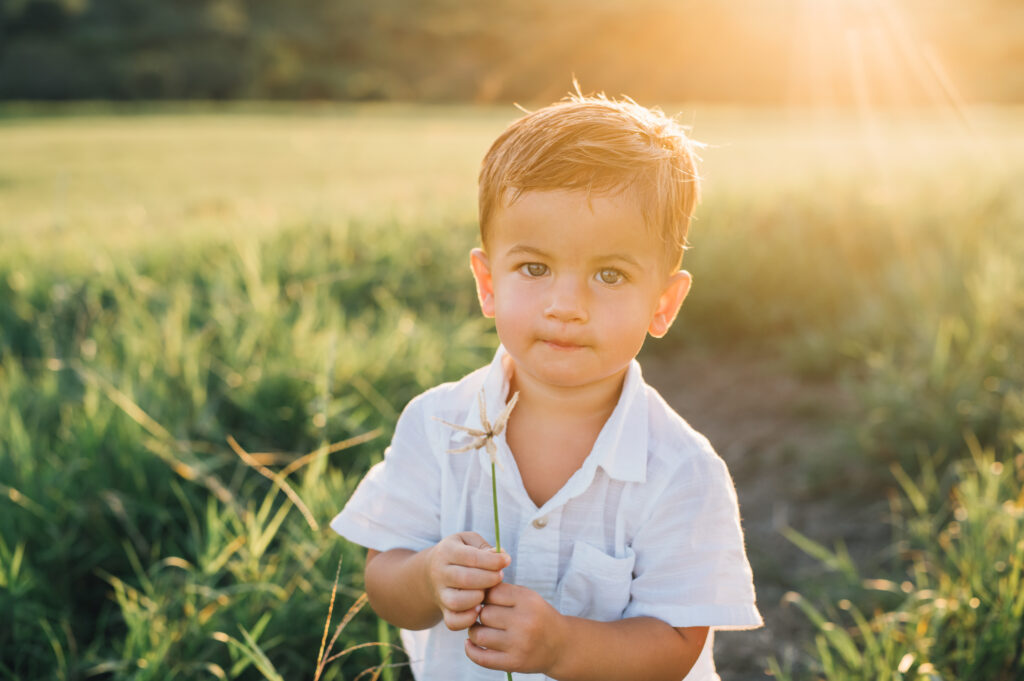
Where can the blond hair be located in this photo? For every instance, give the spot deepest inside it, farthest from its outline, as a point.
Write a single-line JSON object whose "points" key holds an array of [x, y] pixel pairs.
{"points": [[603, 146]]}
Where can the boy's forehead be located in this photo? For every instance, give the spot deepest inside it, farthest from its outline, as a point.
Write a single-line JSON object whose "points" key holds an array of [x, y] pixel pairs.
{"points": [[582, 219], [623, 205]]}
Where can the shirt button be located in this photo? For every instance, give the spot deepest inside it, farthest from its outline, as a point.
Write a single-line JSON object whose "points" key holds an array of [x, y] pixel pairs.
{"points": [[541, 523]]}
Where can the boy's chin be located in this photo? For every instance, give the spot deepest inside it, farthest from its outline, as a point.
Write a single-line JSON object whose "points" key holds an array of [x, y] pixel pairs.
{"points": [[566, 375]]}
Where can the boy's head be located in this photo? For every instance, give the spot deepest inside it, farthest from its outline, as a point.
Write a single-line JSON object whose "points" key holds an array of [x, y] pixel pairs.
{"points": [[584, 207], [601, 147]]}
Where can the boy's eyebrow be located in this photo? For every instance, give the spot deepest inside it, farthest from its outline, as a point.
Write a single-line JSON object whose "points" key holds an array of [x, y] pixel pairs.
{"points": [[523, 249], [624, 257]]}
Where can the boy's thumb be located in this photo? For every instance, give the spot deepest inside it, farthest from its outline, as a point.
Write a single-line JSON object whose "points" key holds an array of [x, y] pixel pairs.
{"points": [[475, 540]]}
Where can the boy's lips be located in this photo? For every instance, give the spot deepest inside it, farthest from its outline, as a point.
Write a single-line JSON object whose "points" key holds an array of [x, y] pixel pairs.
{"points": [[562, 343]]}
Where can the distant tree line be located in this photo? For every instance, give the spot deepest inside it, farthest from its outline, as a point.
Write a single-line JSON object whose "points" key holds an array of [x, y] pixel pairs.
{"points": [[744, 51]]}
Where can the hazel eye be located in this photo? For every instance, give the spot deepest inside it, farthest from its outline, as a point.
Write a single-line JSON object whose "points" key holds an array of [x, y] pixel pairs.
{"points": [[610, 275], [534, 269]]}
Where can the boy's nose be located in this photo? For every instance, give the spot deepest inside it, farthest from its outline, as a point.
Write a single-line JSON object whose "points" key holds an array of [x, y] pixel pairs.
{"points": [[567, 301]]}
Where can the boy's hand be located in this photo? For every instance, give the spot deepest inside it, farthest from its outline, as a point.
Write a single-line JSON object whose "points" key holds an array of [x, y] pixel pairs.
{"points": [[518, 631], [461, 568]]}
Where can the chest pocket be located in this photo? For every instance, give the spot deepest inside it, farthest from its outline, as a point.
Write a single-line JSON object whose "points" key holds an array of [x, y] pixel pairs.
{"points": [[596, 585]]}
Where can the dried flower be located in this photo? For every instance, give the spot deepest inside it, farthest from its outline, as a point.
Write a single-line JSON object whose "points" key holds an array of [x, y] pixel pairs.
{"points": [[485, 438]]}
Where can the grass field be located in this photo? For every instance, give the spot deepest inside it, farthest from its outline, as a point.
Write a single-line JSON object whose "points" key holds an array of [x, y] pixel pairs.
{"points": [[193, 300]]}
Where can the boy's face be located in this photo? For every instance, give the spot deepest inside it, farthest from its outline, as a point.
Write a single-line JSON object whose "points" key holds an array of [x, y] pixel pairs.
{"points": [[575, 285]]}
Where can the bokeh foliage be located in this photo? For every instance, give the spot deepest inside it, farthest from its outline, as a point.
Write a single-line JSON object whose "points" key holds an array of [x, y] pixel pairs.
{"points": [[739, 51]]}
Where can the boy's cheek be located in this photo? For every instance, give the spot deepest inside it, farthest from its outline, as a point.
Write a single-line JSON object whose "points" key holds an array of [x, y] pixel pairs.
{"points": [[510, 307]]}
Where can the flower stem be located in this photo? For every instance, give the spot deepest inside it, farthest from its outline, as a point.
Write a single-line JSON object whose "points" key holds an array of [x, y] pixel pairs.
{"points": [[497, 527], [494, 498]]}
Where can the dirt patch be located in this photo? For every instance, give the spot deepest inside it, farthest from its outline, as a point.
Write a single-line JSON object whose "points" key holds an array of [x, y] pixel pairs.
{"points": [[781, 437]]}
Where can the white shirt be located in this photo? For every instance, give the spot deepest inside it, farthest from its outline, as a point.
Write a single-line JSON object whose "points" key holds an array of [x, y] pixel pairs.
{"points": [[648, 525]]}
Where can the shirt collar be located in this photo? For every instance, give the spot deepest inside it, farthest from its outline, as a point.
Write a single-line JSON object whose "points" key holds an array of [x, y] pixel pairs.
{"points": [[621, 446]]}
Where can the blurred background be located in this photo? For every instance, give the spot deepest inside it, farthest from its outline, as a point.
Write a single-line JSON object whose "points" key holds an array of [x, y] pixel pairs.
{"points": [[779, 52], [233, 239]]}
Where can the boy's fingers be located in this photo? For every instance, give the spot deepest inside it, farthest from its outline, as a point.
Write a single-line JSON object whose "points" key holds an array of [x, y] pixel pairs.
{"points": [[485, 559], [503, 594], [495, 616], [484, 658], [473, 539], [486, 637], [457, 621], [472, 578], [468, 578], [459, 600]]}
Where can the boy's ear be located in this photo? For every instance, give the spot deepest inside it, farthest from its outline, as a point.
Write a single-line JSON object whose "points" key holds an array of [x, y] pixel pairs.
{"points": [[481, 267], [669, 303]]}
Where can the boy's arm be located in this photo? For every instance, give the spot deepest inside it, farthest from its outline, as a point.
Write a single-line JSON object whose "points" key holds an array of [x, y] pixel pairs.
{"points": [[397, 588], [416, 589], [638, 647], [520, 631]]}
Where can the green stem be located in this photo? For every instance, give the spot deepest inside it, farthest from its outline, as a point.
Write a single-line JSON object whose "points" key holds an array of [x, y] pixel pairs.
{"points": [[497, 527], [494, 498]]}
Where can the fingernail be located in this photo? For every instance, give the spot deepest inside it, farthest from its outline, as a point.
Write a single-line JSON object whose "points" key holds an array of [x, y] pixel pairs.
{"points": [[480, 607]]}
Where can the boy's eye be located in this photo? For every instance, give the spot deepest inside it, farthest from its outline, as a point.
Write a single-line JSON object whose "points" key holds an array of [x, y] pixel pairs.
{"points": [[534, 269], [610, 276]]}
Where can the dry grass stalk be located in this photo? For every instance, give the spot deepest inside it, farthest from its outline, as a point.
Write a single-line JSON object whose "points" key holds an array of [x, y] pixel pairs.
{"points": [[277, 479]]}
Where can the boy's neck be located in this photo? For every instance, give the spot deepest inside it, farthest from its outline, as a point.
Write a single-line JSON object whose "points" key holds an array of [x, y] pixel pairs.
{"points": [[593, 401]]}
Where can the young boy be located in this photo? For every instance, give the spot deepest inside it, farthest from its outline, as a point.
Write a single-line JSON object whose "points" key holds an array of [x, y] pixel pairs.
{"points": [[620, 522]]}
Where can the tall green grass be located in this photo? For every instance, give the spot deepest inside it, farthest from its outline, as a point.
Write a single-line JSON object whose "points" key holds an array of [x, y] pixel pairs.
{"points": [[133, 535], [943, 400], [192, 305], [954, 608]]}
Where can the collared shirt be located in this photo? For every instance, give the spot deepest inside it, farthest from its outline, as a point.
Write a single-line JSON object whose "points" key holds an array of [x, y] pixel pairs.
{"points": [[648, 526]]}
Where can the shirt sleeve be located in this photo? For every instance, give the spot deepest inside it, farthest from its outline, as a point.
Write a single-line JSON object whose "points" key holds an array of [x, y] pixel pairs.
{"points": [[397, 504], [691, 568]]}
